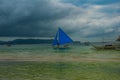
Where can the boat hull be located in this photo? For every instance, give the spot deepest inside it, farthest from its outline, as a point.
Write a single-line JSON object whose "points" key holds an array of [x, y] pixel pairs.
{"points": [[110, 47], [104, 47], [61, 47]]}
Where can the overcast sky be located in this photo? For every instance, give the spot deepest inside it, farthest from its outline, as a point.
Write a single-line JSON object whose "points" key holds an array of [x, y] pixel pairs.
{"points": [[80, 19]]}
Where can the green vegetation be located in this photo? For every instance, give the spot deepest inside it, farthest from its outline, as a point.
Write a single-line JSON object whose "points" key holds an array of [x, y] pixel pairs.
{"points": [[59, 70]]}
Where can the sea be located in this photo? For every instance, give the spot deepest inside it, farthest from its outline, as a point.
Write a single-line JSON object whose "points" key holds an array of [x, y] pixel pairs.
{"points": [[45, 51]]}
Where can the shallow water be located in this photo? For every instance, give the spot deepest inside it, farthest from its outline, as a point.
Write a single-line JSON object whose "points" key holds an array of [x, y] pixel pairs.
{"points": [[39, 50], [83, 70]]}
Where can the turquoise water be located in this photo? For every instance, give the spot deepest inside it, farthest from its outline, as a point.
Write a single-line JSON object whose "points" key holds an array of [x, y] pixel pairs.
{"points": [[15, 70], [43, 49], [38, 50]]}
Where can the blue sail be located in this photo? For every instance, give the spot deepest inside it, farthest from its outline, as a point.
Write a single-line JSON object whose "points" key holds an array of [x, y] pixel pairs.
{"points": [[64, 38], [61, 38], [55, 41]]}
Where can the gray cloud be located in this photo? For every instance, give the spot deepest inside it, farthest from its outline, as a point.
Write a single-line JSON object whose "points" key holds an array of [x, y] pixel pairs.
{"points": [[30, 17], [43, 17]]}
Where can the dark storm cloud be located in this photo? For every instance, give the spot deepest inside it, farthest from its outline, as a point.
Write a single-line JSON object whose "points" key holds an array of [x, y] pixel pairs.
{"points": [[83, 18], [29, 17]]}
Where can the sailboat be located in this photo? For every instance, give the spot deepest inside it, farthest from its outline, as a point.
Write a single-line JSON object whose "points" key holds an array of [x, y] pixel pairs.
{"points": [[105, 46], [113, 46], [61, 40]]}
